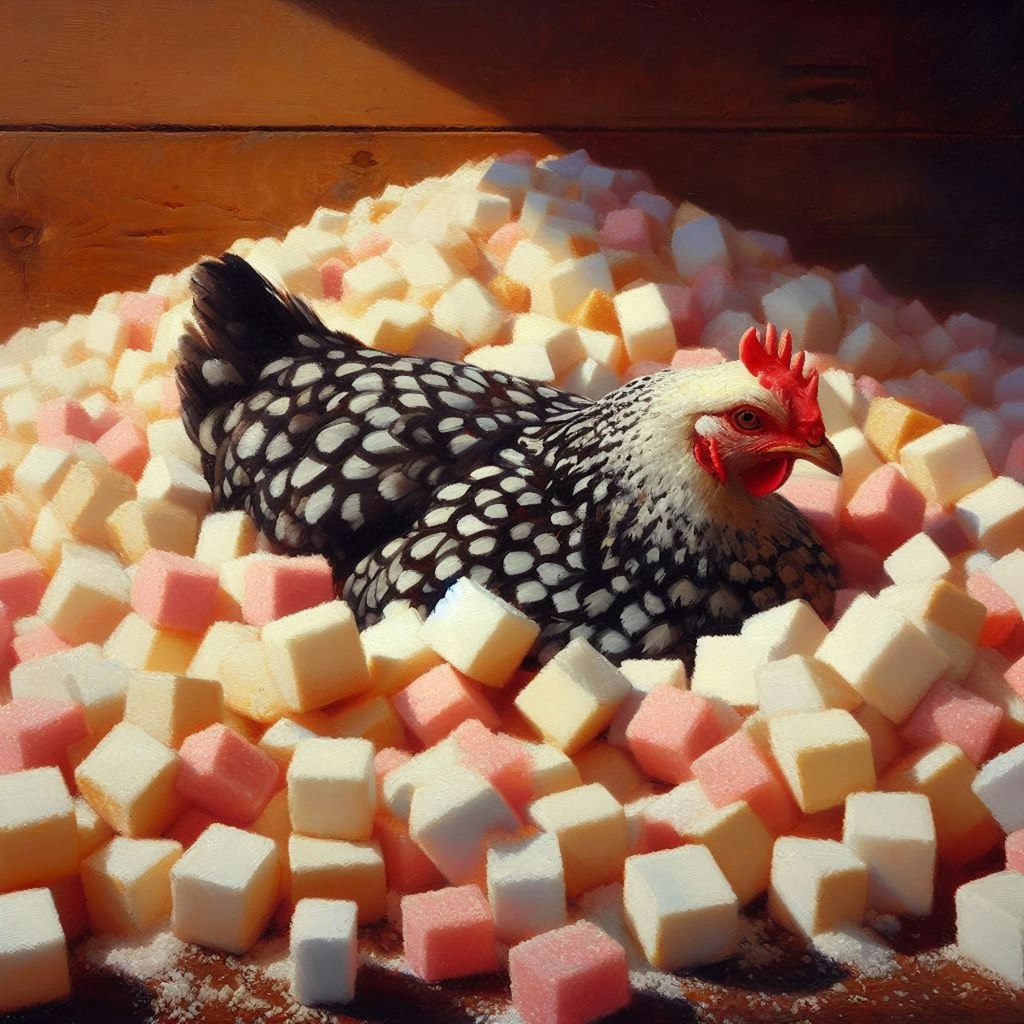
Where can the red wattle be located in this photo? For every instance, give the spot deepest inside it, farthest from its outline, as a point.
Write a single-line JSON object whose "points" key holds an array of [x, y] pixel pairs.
{"points": [[767, 476]]}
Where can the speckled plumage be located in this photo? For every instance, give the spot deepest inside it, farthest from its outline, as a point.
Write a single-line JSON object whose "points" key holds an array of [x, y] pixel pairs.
{"points": [[408, 473]]}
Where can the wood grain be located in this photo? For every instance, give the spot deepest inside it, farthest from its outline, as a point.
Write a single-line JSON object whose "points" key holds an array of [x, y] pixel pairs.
{"points": [[82, 213], [731, 64]]}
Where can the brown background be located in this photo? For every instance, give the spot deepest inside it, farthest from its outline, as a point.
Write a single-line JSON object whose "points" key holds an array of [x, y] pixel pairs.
{"points": [[139, 136]]}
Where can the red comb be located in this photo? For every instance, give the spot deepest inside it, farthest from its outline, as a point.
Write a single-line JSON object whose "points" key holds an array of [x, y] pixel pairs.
{"points": [[771, 363]]}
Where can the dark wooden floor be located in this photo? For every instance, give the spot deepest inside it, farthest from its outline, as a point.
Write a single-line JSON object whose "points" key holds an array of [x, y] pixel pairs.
{"points": [[137, 137]]}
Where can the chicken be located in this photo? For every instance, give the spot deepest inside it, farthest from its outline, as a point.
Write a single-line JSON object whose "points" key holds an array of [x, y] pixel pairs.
{"points": [[640, 521]]}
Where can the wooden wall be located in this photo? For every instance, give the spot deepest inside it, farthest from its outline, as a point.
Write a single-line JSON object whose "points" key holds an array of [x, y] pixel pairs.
{"points": [[138, 136]]}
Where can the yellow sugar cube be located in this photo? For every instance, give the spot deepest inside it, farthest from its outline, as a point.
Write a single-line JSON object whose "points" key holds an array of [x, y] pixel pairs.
{"points": [[883, 656], [993, 515], [275, 823], [918, 560], [86, 497], [371, 718], [88, 595], [167, 478], [573, 697], [48, 537], [92, 830], [137, 526], [171, 707], [890, 425], [220, 638], [612, 768], [938, 604], [38, 834], [243, 672], [560, 342], [551, 770], [137, 644], [468, 309], [337, 870], [127, 884], [894, 834], [332, 790], [990, 923], [224, 889], [816, 885], [597, 314], [33, 951], [396, 652], [479, 633], [646, 324], [741, 845], [315, 657], [823, 755], [129, 780], [946, 463], [964, 829], [680, 907], [40, 473], [14, 533], [590, 826], [225, 535], [798, 683]]}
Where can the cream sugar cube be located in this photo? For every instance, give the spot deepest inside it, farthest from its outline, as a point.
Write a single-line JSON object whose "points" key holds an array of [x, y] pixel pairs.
{"points": [[724, 668], [224, 889], [395, 651], [894, 834], [281, 739], [314, 655], [33, 951], [740, 844], [92, 830], [332, 791], [167, 478], [1000, 786], [859, 459], [38, 834], [551, 770], [571, 975], [40, 473], [478, 633], [469, 311], [990, 924], [993, 515], [561, 290], [573, 697], [127, 884], [529, 361], [791, 628], [324, 951], [808, 310], [680, 907], [700, 243], [590, 826], [646, 323], [223, 536], [799, 683], [339, 870], [526, 887], [946, 464], [560, 342], [86, 497], [371, 718], [138, 645], [129, 779], [172, 707], [917, 560], [136, 527], [816, 885], [87, 596]]}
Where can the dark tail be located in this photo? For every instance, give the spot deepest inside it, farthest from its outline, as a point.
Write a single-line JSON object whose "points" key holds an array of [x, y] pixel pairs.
{"points": [[242, 322]]}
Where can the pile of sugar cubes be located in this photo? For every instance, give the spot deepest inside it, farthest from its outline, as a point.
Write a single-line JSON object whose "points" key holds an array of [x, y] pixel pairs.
{"points": [[194, 734]]}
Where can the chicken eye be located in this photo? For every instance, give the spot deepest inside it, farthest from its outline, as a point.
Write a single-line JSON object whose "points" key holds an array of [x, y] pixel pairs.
{"points": [[747, 419]]}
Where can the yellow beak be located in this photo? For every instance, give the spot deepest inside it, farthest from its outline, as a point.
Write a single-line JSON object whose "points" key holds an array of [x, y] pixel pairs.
{"points": [[823, 455]]}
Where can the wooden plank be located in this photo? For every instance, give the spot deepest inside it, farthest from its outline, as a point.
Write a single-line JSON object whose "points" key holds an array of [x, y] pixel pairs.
{"points": [[452, 63], [85, 213]]}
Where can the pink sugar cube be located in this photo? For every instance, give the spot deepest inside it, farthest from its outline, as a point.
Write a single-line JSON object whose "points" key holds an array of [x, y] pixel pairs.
{"points": [[226, 775], [821, 502], [172, 591], [953, 714], [62, 423], [170, 396], [125, 447], [914, 318], [945, 528], [36, 731], [711, 285], [1014, 465], [6, 631], [936, 397], [859, 281], [499, 758], [407, 868], [505, 239], [604, 200], [1015, 676], [280, 586], [448, 933], [737, 769], [141, 311], [439, 701], [626, 229], [694, 358], [684, 309], [861, 564], [571, 975], [331, 275], [886, 510], [370, 245], [871, 388], [22, 582], [37, 643], [189, 826], [968, 332], [670, 730], [1002, 613], [1015, 851], [643, 368]]}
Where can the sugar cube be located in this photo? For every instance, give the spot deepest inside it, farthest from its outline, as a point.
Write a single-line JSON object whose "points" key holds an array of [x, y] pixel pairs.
{"points": [[448, 933], [332, 790], [33, 951], [324, 951], [990, 923], [339, 870], [526, 887]]}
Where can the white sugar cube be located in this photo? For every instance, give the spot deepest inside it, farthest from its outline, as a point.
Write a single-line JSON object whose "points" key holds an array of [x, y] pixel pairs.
{"points": [[428, 766], [798, 683], [918, 560], [841, 402], [224, 536], [1008, 572], [33, 951], [87, 596], [990, 923], [529, 361], [479, 633], [816, 885], [858, 457], [993, 515], [423, 265], [590, 379], [807, 311], [564, 288], [867, 349], [1000, 787], [790, 628], [560, 342], [167, 478], [281, 739], [724, 667], [573, 697], [509, 180], [324, 951], [603, 347], [224, 889], [646, 323], [483, 213], [946, 463], [105, 335], [373, 279], [680, 907], [332, 792], [698, 244], [41, 472], [38, 834], [468, 310], [894, 834], [528, 262], [526, 887]]}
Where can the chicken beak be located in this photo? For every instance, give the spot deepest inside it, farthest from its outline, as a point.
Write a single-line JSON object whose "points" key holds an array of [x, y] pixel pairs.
{"points": [[823, 455]]}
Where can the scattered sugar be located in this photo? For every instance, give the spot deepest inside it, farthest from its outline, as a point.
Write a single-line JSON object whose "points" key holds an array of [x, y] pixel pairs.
{"points": [[145, 957], [884, 924], [858, 948]]}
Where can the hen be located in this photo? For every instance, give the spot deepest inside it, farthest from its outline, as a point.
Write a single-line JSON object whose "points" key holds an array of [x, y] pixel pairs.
{"points": [[640, 521]]}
